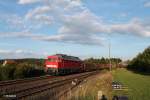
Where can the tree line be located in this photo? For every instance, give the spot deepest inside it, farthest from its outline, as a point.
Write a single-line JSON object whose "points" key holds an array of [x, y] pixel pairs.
{"points": [[141, 62], [103, 62], [22, 68]]}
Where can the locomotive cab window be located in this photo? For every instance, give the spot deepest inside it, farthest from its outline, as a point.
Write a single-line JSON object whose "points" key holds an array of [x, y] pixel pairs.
{"points": [[52, 59]]}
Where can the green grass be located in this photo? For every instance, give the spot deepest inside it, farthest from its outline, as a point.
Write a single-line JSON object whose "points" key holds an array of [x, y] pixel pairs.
{"points": [[139, 85]]}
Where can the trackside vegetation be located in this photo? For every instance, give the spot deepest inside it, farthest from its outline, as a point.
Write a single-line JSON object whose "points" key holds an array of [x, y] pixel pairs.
{"points": [[141, 63], [22, 68], [103, 60], [89, 89]]}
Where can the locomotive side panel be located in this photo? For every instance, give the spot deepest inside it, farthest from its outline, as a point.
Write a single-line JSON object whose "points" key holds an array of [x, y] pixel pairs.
{"points": [[70, 66]]}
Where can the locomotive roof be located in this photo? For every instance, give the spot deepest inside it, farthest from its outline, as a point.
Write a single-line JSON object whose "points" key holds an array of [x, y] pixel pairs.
{"points": [[66, 57]]}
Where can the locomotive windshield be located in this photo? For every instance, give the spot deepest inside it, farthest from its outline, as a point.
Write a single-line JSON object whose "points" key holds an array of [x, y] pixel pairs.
{"points": [[52, 59]]}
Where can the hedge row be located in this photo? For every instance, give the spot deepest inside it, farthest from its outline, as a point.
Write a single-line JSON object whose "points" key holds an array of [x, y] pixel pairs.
{"points": [[10, 72]]}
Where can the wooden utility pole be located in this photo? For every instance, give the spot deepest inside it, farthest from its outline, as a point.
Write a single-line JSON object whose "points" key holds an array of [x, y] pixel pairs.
{"points": [[109, 55]]}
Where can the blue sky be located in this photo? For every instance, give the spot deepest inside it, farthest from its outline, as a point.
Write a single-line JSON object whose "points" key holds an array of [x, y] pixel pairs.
{"points": [[37, 28]]}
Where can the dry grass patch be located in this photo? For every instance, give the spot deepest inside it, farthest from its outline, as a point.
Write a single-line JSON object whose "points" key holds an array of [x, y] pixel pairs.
{"points": [[88, 90]]}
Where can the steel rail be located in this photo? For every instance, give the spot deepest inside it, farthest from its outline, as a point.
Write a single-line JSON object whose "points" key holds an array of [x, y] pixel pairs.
{"points": [[29, 87], [57, 83], [10, 82]]}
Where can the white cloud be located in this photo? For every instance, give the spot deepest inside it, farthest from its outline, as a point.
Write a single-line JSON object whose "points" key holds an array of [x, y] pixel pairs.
{"points": [[28, 1], [77, 24], [13, 21], [4, 51], [39, 16], [147, 4], [134, 26], [19, 53], [37, 11]]}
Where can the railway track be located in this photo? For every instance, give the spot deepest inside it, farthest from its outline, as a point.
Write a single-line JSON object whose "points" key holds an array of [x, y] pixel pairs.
{"points": [[10, 82], [8, 87], [32, 88]]}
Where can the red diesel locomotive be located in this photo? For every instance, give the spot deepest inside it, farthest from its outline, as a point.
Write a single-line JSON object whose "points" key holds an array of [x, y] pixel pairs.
{"points": [[61, 64]]}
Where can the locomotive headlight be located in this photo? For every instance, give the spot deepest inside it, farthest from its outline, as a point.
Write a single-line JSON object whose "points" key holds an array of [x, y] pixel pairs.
{"points": [[51, 66]]}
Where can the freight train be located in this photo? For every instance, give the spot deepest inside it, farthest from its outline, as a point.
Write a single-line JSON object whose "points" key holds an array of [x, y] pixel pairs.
{"points": [[61, 64]]}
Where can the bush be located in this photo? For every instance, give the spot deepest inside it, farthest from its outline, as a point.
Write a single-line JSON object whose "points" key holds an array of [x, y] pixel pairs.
{"points": [[141, 62], [22, 70], [26, 71], [0, 73], [6, 73]]}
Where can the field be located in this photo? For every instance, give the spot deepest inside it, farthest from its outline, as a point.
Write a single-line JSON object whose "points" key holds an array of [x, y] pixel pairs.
{"points": [[138, 85]]}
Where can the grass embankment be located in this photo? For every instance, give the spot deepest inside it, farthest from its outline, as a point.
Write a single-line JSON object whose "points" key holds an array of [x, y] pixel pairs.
{"points": [[138, 85], [89, 89]]}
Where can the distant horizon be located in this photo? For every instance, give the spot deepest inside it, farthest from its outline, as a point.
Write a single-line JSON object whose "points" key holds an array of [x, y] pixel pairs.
{"points": [[83, 58]]}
